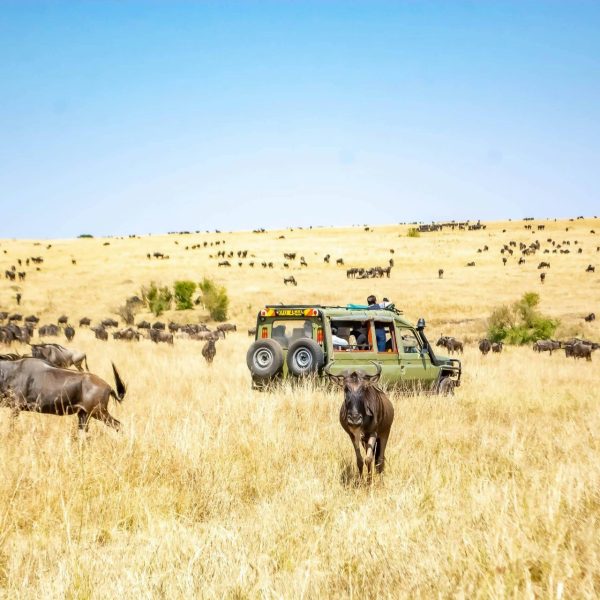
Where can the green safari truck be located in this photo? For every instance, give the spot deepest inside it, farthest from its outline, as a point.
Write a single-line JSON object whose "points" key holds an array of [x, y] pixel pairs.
{"points": [[295, 341]]}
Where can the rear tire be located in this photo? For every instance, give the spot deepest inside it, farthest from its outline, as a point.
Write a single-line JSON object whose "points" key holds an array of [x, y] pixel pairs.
{"points": [[446, 387], [264, 358], [304, 357]]}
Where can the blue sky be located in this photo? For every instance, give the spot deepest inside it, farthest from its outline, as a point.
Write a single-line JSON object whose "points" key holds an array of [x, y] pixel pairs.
{"points": [[123, 117]]}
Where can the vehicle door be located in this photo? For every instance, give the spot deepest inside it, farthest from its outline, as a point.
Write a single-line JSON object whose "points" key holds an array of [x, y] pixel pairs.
{"points": [[415, 364]]}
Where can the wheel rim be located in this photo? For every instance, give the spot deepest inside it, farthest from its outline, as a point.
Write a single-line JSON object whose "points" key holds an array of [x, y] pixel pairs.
{"points": [[263, 358], [303, 359]]}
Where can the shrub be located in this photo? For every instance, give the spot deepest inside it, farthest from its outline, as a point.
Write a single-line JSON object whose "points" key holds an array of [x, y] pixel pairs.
{"points": [[183, 294], [85, 235], [128, 310], [413, 232], [520, 323], [157, 299], [214, 299]]}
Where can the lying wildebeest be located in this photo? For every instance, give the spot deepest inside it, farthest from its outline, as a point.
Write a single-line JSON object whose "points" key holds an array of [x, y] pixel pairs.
{"points": [[497, 347], [451, 344], [209, 350], [156, 335], [485, 346], [591, 317], [366, 415], [59, 356], [31, 384], [144, 325], [69, 332]]}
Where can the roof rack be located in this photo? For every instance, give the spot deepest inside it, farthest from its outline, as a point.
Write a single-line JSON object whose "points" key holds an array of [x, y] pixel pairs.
{"points": [[389, 307]]}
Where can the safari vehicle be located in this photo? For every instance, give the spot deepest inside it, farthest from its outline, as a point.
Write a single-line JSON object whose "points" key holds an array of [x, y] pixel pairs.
{"points": [[298, 340]]}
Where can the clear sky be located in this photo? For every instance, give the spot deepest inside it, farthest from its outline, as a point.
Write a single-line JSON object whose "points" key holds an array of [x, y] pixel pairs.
{"points": [[136, 117]]}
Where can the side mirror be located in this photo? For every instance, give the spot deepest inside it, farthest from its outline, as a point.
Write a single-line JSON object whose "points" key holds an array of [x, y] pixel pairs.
{"points": [[421, 323]]}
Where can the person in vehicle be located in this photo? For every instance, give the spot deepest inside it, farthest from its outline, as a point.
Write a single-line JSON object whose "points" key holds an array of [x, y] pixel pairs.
{"points": [[379, 331], [338, 342]]}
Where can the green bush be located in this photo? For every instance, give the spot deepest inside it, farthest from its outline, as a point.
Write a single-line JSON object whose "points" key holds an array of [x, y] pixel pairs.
{"points": [[85, 235], [214, 299], [520, 323], [183, 294], [157, 299], [413, 232]]}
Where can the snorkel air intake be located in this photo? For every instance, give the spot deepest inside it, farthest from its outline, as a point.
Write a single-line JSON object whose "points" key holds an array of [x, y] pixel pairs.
{"points": [[421, 329]]}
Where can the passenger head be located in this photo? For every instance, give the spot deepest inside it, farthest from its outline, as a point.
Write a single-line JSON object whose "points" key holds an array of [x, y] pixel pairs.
{"points": [[371, 300]]}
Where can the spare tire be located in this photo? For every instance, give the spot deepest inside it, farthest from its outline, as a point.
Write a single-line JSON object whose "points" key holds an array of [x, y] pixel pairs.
{"points": [[264, 358], [304, 357]]}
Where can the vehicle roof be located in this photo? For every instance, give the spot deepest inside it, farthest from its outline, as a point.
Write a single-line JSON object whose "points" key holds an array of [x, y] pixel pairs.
{"points": [[352, 310]]}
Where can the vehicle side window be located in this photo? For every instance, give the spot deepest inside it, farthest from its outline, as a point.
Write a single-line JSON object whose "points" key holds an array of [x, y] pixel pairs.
{"points": [[351, 336], [385, 337], [408, 341]]}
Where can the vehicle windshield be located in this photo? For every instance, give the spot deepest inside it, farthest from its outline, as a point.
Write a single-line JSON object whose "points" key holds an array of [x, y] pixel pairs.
{"points": [[285, 331]]}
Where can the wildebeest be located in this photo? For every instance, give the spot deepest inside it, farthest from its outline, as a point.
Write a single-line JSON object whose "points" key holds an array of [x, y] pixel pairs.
{"points": [[59, 356], [128, 334], [590, 269], [451, 344], [471, 264], [63, 320], [546, 346], [497, 347], [542, 277], [159, 325], [100, 333], [209, 350], [291, 279], [69, 332], [109, 323], [48, 330], [440, 273], [31, 384], [579, 349], [252, 332], [226, 327], [85, 322], [366, 415], [485, 346], [544, 265], [591, 317], [156, 335], [144, 325], [32, 319]]}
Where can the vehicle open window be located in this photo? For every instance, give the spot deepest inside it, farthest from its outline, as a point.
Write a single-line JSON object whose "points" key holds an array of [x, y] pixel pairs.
{"points": [[385, 337], [351, 336], [408, 342]]}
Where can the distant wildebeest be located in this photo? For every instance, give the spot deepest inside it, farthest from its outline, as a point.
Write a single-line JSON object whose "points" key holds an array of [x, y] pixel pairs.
{"points": [[209, 350], [173, 327], [59, 356], [542, 277], [69, 332], [110, 323], [579, 350], [15, 317], [291, 280], [32, 319], [48, 330], [339, 261], [504, 259], [485, 346], [252, 332], [497, 347], [85, 322], [144, 325], [156, 335], [159, 325], [451, 344], [440, 273], [546, 346], [227, 327], [544, 265], [63, 320], [590, 269], [128, 334], [31, 384], [366, 415], [471, 264], [591, 317], [100, 333]]}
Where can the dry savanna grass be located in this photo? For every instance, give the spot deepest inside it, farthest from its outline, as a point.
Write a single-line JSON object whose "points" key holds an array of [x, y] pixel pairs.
{"points": [[213, 490]]}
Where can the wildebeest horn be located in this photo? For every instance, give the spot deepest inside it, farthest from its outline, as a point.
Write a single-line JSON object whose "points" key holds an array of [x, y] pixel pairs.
{"points": [[339, 379], [374, 378]]}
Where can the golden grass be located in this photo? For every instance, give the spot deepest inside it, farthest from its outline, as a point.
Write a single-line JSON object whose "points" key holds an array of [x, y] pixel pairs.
{"points": [[213, 490]]}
